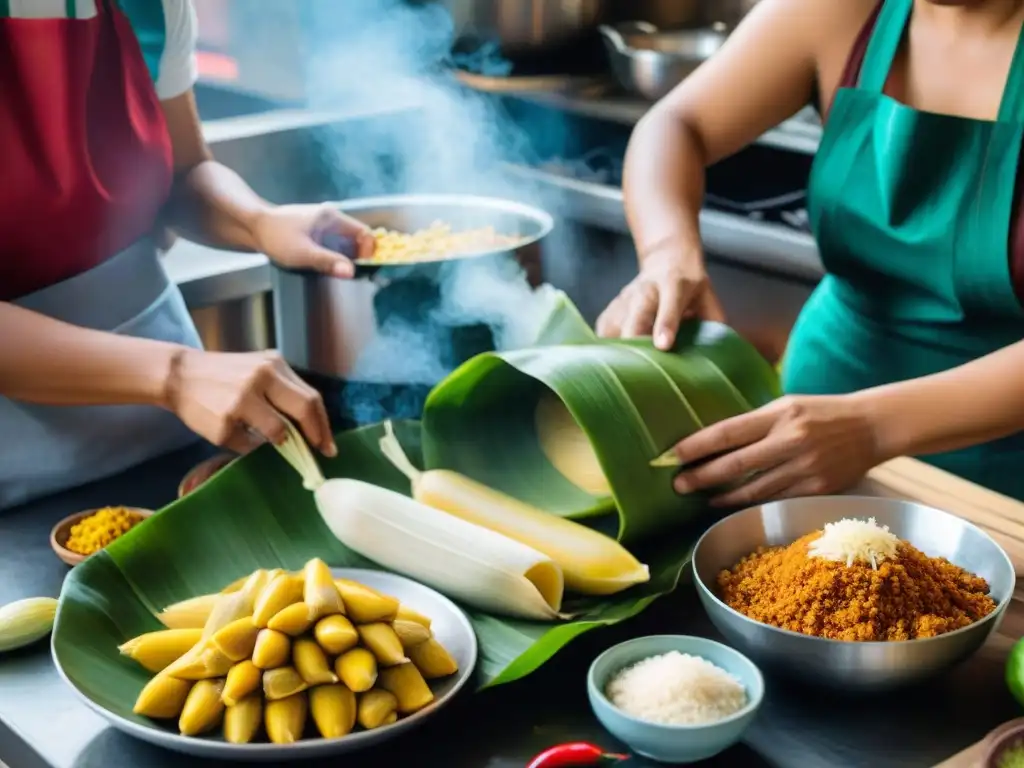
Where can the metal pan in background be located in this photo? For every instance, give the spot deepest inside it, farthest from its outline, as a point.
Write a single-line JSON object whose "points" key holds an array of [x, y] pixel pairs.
{"points": [[649, 62]]}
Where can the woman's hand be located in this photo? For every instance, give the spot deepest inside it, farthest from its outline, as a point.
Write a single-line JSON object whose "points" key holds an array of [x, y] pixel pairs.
{"points": [[669, 289], [295, 235], [794, 446], [226, 397]]}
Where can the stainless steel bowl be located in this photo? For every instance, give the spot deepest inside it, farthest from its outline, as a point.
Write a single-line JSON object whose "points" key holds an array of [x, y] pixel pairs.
{"points": [[650, 63], [861, 667]]}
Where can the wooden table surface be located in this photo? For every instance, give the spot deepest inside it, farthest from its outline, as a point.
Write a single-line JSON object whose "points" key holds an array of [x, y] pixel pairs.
{"points": [[1001, 516]]}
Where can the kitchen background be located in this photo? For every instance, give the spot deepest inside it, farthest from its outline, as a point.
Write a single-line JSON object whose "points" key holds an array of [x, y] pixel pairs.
{"points": [[519, 99]]}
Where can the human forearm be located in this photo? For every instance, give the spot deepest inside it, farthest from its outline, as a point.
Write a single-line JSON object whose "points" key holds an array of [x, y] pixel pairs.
{"points": [[968, 405], [212, 204], [663, 183], [45, 361]]}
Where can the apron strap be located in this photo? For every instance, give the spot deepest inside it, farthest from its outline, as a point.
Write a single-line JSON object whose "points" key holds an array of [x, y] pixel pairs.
{"points": [[1011, 108], [71, 9], [885, 41]]}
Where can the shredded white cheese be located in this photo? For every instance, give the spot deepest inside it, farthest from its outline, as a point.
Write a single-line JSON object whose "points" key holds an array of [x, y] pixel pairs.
{"points": [[676, 689], [852, 540]]}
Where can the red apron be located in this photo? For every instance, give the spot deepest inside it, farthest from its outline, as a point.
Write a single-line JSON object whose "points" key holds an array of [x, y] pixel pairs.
{"points": [[86, 159], [85, 165]]}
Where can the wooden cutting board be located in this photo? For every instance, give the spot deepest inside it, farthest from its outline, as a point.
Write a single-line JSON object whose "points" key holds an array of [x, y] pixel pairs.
{"points": [[1001, 516]]}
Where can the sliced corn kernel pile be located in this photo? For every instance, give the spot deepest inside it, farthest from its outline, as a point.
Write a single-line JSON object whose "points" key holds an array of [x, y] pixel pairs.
{"points": [[91, 534], [437, 242]]}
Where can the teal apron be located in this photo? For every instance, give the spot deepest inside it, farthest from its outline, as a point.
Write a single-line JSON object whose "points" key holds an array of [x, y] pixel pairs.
{"points": [[912, 213]]}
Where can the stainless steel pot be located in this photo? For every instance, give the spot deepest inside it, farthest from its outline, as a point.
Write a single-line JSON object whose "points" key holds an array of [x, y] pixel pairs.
{"points": [[524, 25], [650, 63], [390, 324]]}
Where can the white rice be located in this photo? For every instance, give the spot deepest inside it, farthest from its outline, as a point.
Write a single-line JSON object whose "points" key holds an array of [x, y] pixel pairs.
{"points": [[676, 689]]}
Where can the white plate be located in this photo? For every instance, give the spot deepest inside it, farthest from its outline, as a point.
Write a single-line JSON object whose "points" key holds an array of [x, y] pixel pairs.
{"points": [[451, 627]]}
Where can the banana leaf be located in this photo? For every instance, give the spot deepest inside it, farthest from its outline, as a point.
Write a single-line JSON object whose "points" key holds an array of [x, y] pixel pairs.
{"points": [[256, 514], [632, 401]]}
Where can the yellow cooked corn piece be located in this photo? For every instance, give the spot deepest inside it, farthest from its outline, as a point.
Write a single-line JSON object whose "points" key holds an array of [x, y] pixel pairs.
{"points": [[235, 585], [335, 634], [162, 697], [311, 662], [228, 608], [203, 662], [364, 605], [357, 669], [408, 686], [405, 613], [242, 721], [381, 639], [319, 591], [283, 590], [243, 678], [282, 682], [188, 614], [375, 708], [410, 633], [272, 649], [334, 710], [433, 660], [285, 719], [591, 563], [203, 708], [293, 620], [237, 639], [155, 650]]}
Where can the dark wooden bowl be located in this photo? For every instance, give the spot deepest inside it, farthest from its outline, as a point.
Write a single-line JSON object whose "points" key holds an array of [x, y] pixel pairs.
{"points": [[999, 740], [62, 530]]}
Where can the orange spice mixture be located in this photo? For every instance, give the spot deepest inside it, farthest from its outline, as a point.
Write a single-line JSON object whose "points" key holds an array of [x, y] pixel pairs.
{"points": [[911, 596]]}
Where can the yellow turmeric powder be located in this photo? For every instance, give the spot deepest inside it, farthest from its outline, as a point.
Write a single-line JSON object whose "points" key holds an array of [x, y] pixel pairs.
{"points": [[91, 534]]}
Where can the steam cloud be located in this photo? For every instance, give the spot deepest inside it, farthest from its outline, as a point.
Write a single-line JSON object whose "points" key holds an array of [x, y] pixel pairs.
{"points": [[393, 52]]}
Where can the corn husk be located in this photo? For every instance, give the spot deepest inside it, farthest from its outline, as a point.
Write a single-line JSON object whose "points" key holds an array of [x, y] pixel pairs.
{"points": [[243, 719], [243, 678], [408, 686], [311, 662], [364, 605], [163, 697], [285, 719], [376, 708], [335, 634], [203, 708], [357, 669], [24, 622], [154, 651], [334, 710], [432, 660], [591, 562], [272, 649]]}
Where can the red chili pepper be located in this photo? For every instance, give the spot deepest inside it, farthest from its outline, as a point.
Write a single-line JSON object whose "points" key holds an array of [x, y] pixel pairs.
{"points": [[577, 753]]}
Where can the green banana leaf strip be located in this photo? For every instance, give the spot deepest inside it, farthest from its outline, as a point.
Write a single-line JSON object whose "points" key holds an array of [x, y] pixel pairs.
{"points": [[256, 514], [564, 325], [631, 400]]}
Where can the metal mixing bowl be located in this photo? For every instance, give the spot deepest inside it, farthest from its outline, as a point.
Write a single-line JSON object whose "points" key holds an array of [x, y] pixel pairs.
{"points": [[862, 667]]}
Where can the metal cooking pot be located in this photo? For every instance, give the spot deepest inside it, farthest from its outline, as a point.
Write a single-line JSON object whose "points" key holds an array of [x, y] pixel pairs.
{"points": [[391, 322], [650, 63], [527, 25]]}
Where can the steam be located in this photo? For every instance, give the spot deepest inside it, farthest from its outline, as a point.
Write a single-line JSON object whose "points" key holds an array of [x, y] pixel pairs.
{"points": [[396, 52]]}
